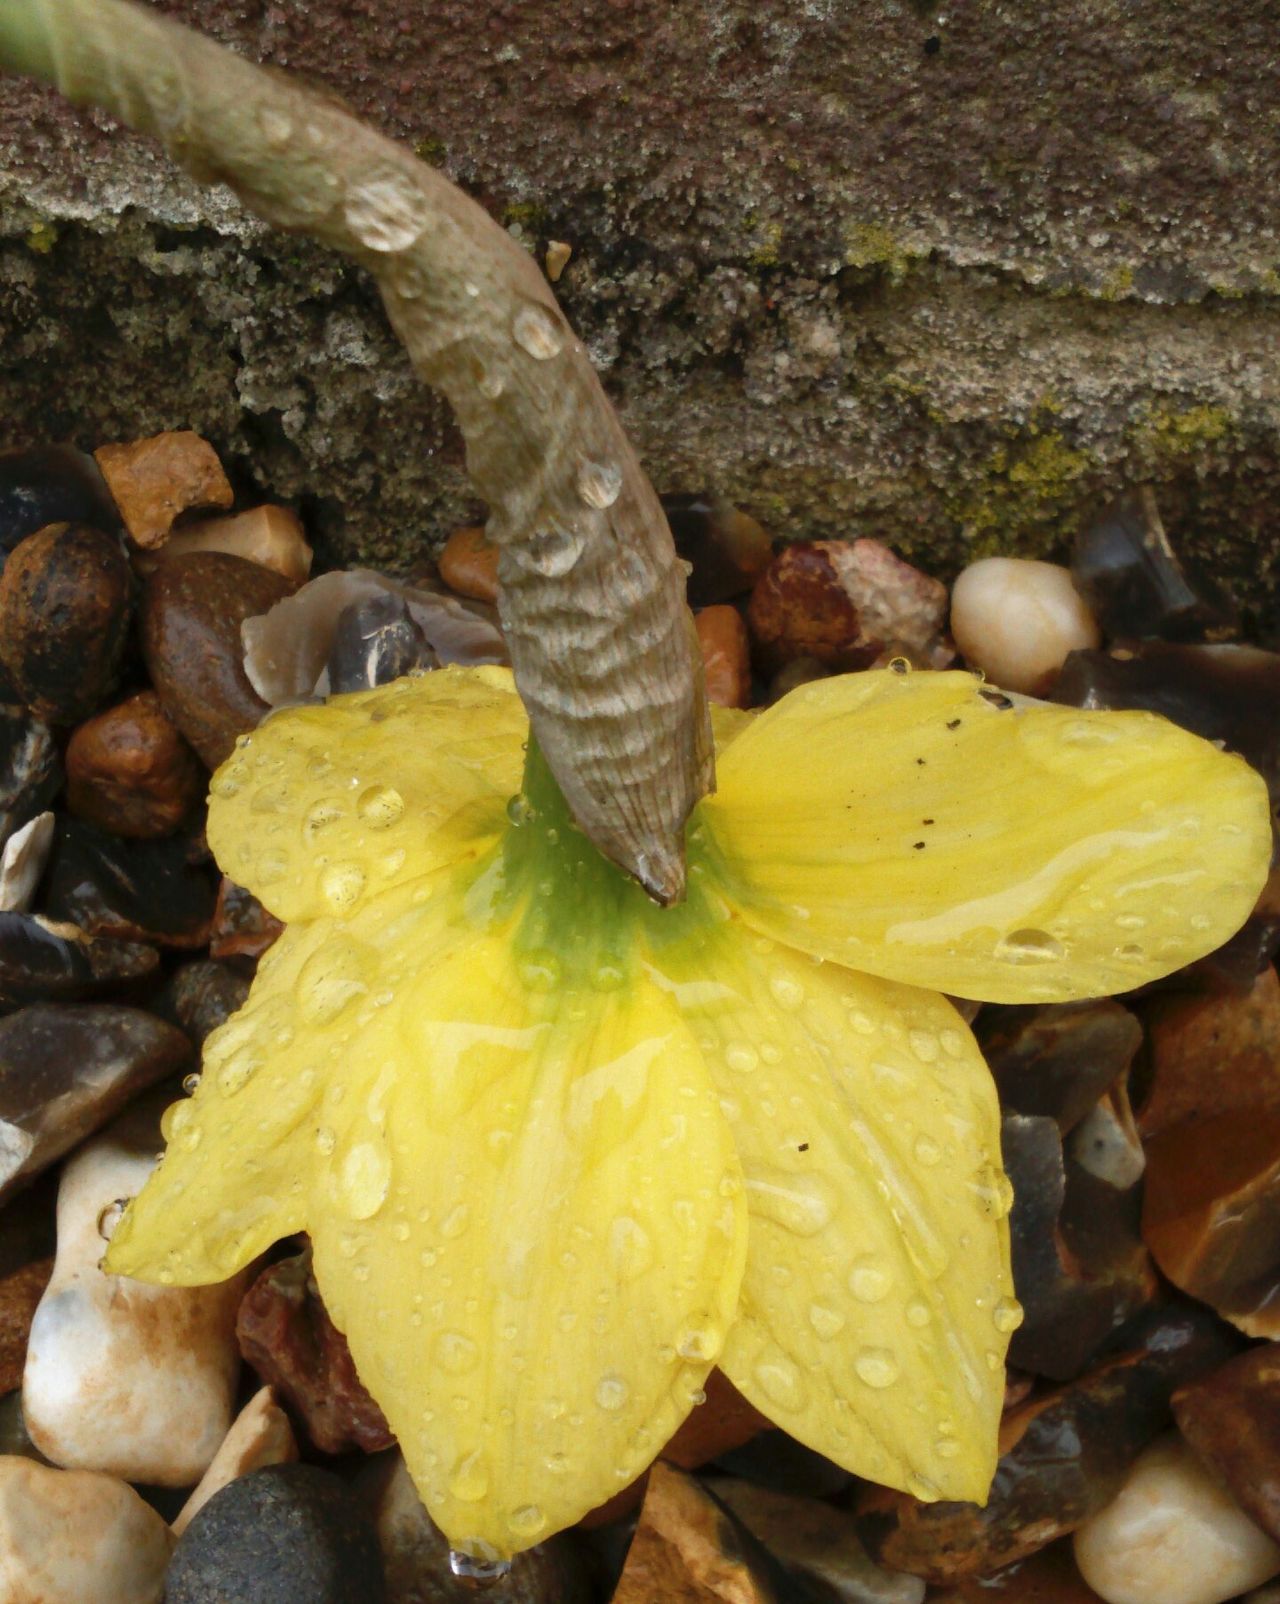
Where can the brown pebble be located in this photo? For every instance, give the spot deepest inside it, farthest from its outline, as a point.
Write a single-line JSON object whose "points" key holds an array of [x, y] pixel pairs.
{"points": [[469, 565], [688, 1550], [130, 771], [192, 610], [242, 927], [155, 480], [1232, 1420], [271, 536], [65, 598], [20, 1292], [726, 658]]}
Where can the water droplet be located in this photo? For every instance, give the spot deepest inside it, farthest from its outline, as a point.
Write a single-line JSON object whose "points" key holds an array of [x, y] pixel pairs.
{"points": [[325, 1140], [455, 1353], [363, 1179], [557, 1464], [924, 1044], [380, 806], [1131, 952], [926, 1151], [608, 977], [869, 1282], [599, 483], [490, 383], [826, 1322], [539, 971], [519, 810], [917, 1313], [1029, 947], [612, 1392], [330, 810], [455, 1222], [470, 1479], [787, 992], [922, 1488], [110, 1218], [272, 865], [527, 1521], [276, 126], [780, 1382], [331, 978], [386, 214], [630, 1250], [1130, 921], [342, 885], [741, 1056], [535, 333], [700, 1342], [946, 1448], [1007, 1315], [877, 1367], [191, 1083], [237, 1072], [801, 1204]]}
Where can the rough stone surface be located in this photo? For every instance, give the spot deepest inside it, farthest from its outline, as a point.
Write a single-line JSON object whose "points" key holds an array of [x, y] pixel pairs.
{"points": [[939, 275]]}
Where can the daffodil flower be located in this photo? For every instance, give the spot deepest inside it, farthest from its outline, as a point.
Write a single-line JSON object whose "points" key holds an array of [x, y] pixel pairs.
{"points": [[561, 1151]]}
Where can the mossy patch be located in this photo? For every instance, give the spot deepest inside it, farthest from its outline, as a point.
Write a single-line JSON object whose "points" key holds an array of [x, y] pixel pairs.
{"points": [[1025, 496], [872, 245], [1166, 434]]}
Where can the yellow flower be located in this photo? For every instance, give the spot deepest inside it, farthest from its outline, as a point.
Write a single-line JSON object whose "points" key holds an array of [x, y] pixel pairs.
{"points": [[561, 1151]]}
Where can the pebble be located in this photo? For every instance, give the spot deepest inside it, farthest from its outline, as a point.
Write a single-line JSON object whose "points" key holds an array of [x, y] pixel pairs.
{"points": [[469, 564], [131, 772], [153, 481], [66, 598], [1058, 1059], [1231, 1418], [203, 994], [270, 536], [156, 891], [242, 927], [285, 1333], [726, 656], [76, 1537], [22, 863], [50, 485], [727, 550], [1173, 1535], [843, 603], [20, 1293], [260, 1435], [280, 1535], [375, 641], [1017, 621], [30, 770], [65, 1071], [415, 1554], [42, 960], [135, 1380], [192, 611]]}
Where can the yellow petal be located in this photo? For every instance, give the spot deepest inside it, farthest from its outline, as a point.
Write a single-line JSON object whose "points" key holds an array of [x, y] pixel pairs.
{"points": [[323, 806], [531, 1230], [877, 1301], [908, 826]]}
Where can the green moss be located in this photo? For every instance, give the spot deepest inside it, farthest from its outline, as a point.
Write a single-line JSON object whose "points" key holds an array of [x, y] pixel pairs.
{"points": [[1117, 284], [872, 245], [41, 237], [1166, 434], [766, 253], [1025, 498], [430, 150], [532, 216]]}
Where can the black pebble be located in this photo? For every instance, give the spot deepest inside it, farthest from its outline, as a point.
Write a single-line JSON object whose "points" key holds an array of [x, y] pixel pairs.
{"points": [[289, 1534]]}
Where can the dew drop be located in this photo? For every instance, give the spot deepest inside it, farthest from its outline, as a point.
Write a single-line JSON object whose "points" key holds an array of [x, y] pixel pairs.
{"points": [[612, 1392], [917, 1314], [599, 483], [321, 816], [800, 1204], [922, 1488], [332, 978], [191, 1083], [237, 1072], [557, 1464], [741, 1056], [1007, 1315], [539, 971], [952, 1042], [527, 1521], [109, 1218], [385, 214], [326, 1141], [275, 126], [630, 1250], [535, 333], [1131, 952], [877, 1367], [927, 1152], [607, 977], [455, 1353], [363, 1180], [701, 1342], [787, 992], [826, 1322], [342, 885], [490, 383], [780, 1382], [869, 1282], [455, 1222], [946, 1448], [469, 1482], [1029, 947], [380, 806], [924, 1044]]}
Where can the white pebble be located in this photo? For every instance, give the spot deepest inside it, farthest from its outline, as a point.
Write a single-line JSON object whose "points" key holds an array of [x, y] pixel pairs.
{"points": [[75, 1537], [1017, 620], [135, 1380], [1173, 1535], [260, 1435]]}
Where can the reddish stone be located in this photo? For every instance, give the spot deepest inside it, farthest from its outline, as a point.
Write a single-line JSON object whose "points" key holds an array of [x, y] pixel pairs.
{"points": [[1211, 1213], [153, 481], [269, 535], [688, 1550], [286, 1334], [1232, 1420], [469, 565], [242, 927], [131, 772], [726, 656], [20, 1292], [1049, 1577]]}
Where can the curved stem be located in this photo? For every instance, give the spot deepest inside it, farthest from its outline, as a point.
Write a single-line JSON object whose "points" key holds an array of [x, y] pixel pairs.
{"points": [[590, 591]]}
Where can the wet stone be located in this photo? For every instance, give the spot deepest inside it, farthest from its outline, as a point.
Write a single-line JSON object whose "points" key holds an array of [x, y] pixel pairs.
{"points": [[1079, 1264], [153, 481], [130, 772], [66, 597], [726, 656], [1125, 568], [50, 485], [75, 1537], [259, 1435], [726, 550], [192, 611], [242, 927], [30, 770], [817, 1541], [280, 1535], [1173, 1535], [1016, 620], [1211, 1213], [1231, 1418], [772, 1459], [415, 1554], [1211, 1053], [42, 960], [1064, 1456], [269, 536], [65, 1071], [469, 564], [842, 603], [1048, 1577], [20, 1292], [22, 863], [286, 1334], [202, 995], [1058, 1060], [375, 641], [130, 890]]}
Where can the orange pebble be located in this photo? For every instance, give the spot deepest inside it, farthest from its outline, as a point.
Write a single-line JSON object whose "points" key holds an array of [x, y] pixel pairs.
{"points": [[725, 656], [469, 565]]}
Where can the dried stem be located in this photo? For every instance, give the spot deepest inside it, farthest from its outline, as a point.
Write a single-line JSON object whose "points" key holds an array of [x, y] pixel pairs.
{"points": [[591, 594]]}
